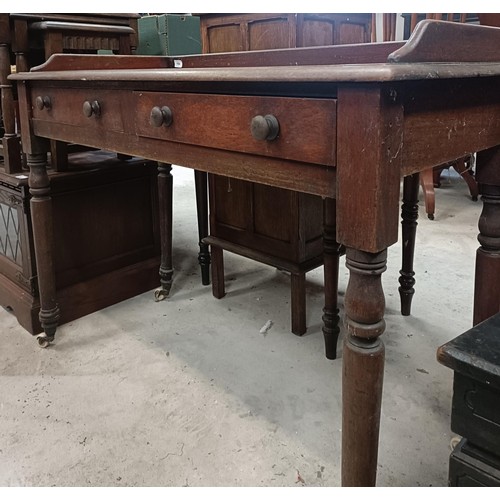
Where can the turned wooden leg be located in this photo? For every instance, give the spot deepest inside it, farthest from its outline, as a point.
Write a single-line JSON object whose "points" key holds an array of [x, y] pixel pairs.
{"points": [[11, 146], [409, 216], [165, 199], [21, 48], [363, 367], [427, 183], [218, 288], [298, 303], [331, 257], [41, 215], [201, 186], [487, 280]]}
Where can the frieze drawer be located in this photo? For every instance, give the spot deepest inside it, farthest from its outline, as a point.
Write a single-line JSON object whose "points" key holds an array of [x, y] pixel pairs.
{"points": [[289, 128], [96, 110]]}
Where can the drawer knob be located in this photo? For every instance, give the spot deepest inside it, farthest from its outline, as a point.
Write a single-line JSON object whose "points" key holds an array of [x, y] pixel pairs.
{"points": [[161, 116], [265, 128], [42, 102], [91, 108]]}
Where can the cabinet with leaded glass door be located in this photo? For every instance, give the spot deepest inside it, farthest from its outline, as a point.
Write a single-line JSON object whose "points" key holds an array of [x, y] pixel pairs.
{"points": [[18, 285], [98, 260]]}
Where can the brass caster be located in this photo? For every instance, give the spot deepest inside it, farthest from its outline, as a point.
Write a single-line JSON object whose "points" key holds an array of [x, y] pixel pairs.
{"points": [[161, 294], [454, 442], [44, 341]]}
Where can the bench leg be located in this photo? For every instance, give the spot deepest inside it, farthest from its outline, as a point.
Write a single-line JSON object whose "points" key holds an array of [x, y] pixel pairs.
{"points": [[218, 288], [298, 303]]}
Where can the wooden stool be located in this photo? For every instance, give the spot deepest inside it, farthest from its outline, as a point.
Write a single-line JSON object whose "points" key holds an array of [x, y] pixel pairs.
{"points": [[270, 225], [273, 226]]}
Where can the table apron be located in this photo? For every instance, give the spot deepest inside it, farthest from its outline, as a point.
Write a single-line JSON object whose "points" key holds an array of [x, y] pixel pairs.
{"points": [[432, 138], [297, 176]]}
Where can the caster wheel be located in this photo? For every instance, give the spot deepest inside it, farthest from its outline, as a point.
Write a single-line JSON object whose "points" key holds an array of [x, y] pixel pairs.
{"points": [[454, 441], [474, 198], [160, 294], [44, 341], [431, 216]]}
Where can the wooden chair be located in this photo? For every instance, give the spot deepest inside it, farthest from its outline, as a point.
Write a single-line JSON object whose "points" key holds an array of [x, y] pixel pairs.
{"points": [[430, 179], [409, 209]]}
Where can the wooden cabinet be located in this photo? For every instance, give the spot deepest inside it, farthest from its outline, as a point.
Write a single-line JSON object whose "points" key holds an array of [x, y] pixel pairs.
{"points": [[99, 261], [229, 33], [474, 357], [276, 226]]}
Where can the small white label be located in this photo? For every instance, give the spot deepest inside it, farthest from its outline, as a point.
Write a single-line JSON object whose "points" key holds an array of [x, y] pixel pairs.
{"points": [[177, 63], [21, 176]]}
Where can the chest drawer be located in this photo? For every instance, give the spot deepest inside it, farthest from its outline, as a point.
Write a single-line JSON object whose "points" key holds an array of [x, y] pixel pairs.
{"points": [[288, 128], [93, 109]]}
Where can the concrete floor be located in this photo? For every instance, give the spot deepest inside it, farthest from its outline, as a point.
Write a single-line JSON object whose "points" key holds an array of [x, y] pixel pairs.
{"points": [[188, 392]]}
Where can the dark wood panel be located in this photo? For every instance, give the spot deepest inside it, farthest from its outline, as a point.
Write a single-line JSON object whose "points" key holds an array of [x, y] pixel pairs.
{"points": [[275, 213], [229, 201], [94, 234], [311, 213], [352, 33], [317, 32], [270, 34], [228, 38]]}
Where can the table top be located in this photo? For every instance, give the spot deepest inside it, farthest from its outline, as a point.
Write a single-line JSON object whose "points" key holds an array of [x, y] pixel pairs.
{"points": [[436, 50]]}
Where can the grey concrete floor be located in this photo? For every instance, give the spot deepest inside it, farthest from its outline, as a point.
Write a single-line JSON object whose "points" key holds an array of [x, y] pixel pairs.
{"points": [[188, 392]]}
